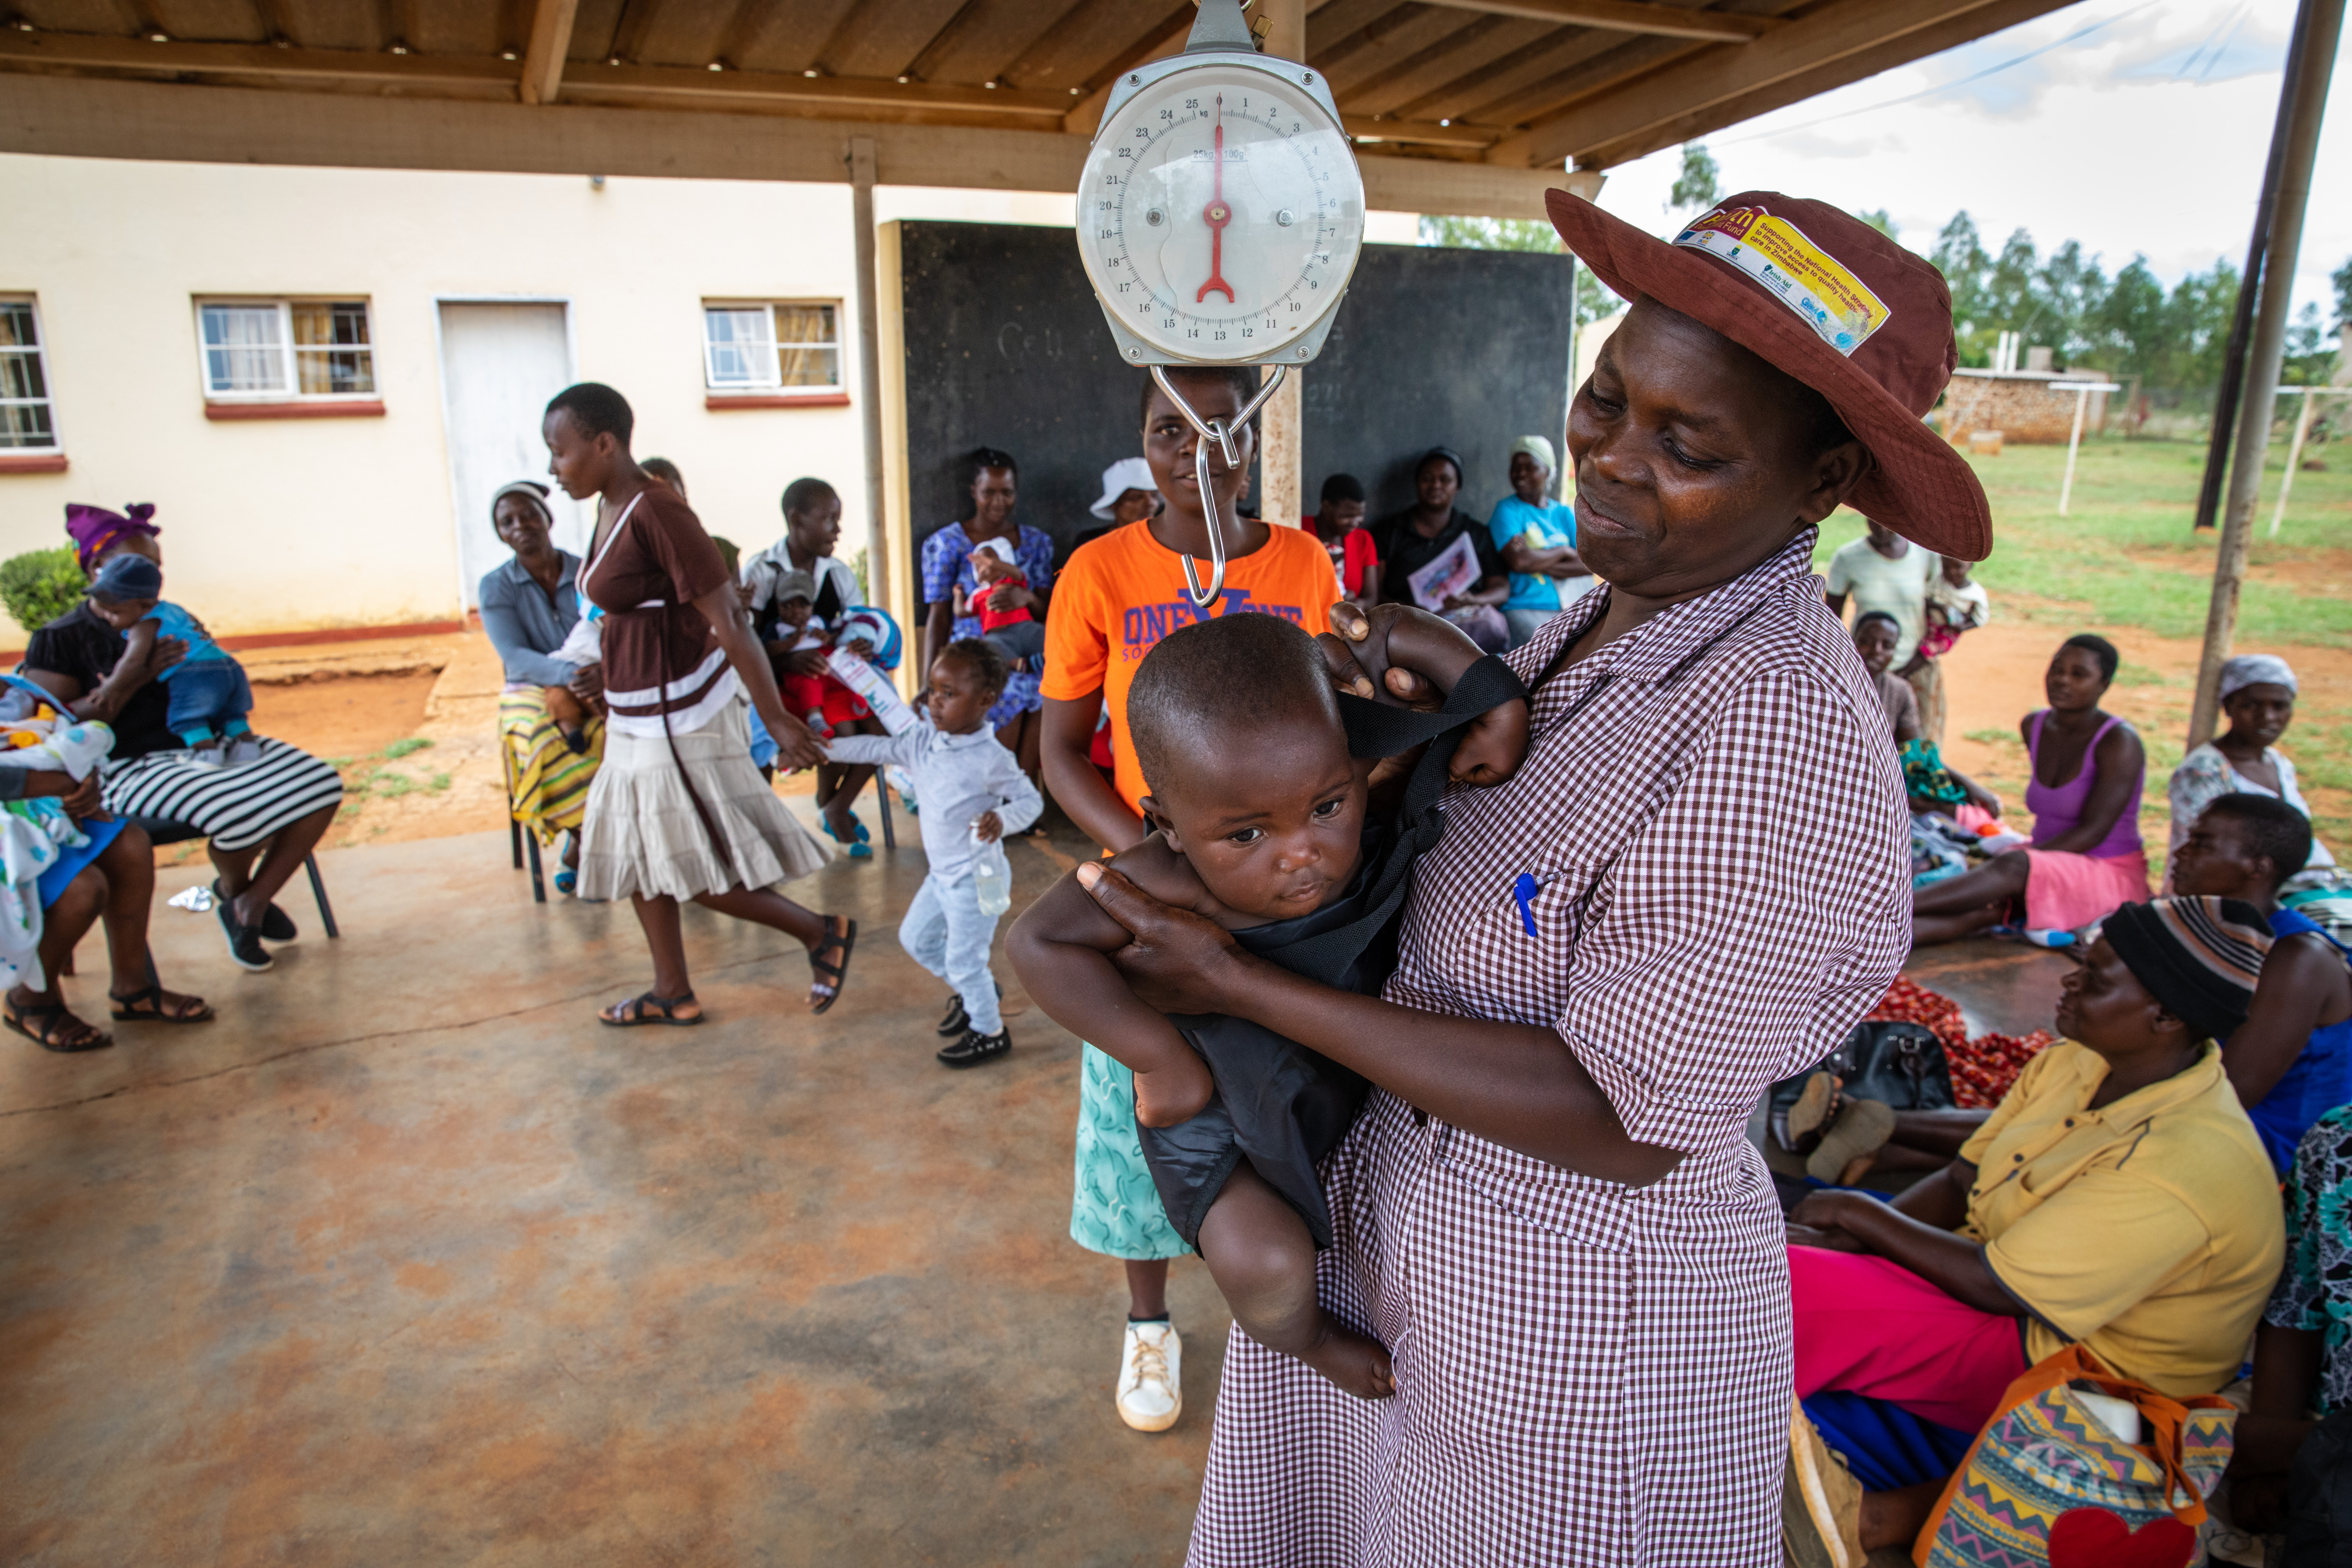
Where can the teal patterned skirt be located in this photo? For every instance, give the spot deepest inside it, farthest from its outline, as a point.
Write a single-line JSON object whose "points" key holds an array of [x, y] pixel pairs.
{"points": [[1113, 1207]]}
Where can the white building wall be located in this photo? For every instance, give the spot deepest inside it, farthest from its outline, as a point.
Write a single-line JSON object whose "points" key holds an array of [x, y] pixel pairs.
{"points": [[292, 525]]}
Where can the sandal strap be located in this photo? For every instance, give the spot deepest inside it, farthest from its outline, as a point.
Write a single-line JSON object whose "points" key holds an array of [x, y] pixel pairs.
{"points": [[645, 1001]]}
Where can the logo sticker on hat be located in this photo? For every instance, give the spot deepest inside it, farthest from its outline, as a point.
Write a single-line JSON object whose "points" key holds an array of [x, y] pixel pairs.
{"points": [[1800, 274]]}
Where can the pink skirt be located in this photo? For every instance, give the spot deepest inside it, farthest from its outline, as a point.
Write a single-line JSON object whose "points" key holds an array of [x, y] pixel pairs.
{"points": [[2066, 892]]}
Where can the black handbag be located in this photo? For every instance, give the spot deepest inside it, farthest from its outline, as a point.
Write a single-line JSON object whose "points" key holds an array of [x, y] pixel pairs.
{"points": [[1900, 1064]]}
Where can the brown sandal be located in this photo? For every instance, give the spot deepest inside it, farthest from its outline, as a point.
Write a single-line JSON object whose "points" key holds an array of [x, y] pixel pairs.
{"points": [[54, 1027], [147, 1005], [826, 989]]}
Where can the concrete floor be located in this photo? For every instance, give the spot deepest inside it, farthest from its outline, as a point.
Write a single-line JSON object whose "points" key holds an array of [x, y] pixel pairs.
{"points": [[405, 1261]]}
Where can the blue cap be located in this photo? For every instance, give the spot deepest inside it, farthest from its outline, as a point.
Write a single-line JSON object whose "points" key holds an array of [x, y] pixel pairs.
{"points": [[128, 576]]}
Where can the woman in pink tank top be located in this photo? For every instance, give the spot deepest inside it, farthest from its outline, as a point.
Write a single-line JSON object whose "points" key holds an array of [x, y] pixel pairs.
{"points": [[2086, 859]]}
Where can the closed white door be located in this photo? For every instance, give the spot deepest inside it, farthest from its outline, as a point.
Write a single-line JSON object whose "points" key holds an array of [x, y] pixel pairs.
{"points": [[499, 365]]}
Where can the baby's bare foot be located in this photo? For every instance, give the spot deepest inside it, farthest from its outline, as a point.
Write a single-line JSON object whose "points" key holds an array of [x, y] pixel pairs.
{"points": [[1359, 1365]]}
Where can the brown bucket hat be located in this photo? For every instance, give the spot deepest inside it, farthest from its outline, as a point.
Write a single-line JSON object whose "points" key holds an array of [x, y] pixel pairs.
{"points": [[1826, 298]]}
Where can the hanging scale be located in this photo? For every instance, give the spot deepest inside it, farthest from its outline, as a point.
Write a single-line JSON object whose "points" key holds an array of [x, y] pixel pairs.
{"points": [[1219, 217]]}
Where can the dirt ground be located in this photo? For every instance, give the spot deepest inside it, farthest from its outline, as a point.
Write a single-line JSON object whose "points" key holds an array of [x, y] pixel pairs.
{"points": [[410, 721]]}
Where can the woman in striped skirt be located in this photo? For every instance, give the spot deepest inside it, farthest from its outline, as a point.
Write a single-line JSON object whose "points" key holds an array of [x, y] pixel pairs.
{"points": [[552, 740], [261, 819]]}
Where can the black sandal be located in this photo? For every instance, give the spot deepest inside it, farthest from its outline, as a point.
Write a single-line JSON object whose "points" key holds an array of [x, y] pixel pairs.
{"points": [[826, 989], [50, 1039], [193, 1010], [648, 1009]]}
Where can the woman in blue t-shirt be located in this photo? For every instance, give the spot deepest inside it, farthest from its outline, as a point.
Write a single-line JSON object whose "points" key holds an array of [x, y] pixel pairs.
{"points": [[1536, 537], [2291, 1062]]}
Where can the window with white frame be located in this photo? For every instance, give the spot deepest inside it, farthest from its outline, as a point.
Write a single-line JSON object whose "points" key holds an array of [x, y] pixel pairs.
{"points": [[27, 423], [772, 348], [285, 351]]}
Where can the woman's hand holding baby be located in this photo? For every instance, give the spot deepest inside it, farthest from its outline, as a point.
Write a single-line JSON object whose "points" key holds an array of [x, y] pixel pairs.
{"points": [[1175, 960]]}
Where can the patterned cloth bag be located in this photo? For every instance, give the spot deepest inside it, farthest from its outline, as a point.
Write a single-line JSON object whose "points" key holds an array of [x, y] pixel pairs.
{"points": [[2044, 1455]]}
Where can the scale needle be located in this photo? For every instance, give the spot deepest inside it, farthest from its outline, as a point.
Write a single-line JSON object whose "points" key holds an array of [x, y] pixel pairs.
{"points": [[1219, 214]]}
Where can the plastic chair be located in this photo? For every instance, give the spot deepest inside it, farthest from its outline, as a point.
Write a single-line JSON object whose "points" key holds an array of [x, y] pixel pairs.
{"points": [[162, 830]]}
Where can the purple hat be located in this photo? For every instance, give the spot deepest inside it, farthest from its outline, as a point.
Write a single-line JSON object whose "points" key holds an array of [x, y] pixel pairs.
{"points": [[93, 528]]}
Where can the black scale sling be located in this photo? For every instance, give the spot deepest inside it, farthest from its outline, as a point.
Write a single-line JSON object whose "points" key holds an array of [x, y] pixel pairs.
{"points": [[1282, 1105]]}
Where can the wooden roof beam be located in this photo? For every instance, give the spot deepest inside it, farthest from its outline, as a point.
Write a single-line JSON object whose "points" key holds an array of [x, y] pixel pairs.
{"points": [[683, 85], [551, 41], [1085, 118], [1839, 31], [1946, 35], [1627, 17], [359, 65], [1421, 133]]}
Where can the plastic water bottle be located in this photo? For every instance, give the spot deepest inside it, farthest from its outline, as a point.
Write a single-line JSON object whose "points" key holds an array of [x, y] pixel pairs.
{"points": [[992, 876]]}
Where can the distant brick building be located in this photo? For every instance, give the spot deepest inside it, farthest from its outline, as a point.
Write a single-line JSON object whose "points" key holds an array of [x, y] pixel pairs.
{"points": [[2023, 405]]}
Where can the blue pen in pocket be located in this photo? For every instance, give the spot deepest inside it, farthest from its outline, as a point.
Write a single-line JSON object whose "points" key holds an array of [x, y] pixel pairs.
{"points": [[1525, 891]]}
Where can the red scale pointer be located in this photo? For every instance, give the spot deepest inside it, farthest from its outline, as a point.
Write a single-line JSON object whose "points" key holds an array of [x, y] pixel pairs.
{"points": [[1219, 214]]}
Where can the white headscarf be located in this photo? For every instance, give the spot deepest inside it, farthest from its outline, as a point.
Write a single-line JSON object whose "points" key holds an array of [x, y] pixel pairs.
{"points": [[1538, 448], [2255, 669]]}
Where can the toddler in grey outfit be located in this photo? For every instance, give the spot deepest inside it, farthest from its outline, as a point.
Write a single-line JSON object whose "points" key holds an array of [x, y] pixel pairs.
{"points": [[971, 787]]}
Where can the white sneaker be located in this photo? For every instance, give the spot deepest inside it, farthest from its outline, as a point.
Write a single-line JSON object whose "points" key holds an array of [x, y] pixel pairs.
{"points": [[244, 750], [1151, 1377]]}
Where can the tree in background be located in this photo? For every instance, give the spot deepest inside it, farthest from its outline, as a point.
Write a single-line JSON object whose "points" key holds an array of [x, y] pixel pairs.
{"points": [[1699, 184], [1883, 222], [2128, 326], [1593, 298]]}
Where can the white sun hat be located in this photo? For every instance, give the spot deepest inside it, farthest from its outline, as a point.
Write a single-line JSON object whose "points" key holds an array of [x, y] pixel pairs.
{"points": [[1127, 474]]}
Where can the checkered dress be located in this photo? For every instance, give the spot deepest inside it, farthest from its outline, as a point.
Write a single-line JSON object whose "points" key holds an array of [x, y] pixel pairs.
{"points": [[1587, 1374]]}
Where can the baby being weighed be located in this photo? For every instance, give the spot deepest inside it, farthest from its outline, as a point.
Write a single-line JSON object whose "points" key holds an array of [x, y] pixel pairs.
{"points": [[1273, 821]]}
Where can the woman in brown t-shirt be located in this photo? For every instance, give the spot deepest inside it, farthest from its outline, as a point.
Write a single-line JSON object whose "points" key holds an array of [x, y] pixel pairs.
{"points": [[678, 810]]}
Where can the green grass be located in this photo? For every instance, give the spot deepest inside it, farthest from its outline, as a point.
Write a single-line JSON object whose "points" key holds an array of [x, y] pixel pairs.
{"points": [[364, 779], [2125, 554]]}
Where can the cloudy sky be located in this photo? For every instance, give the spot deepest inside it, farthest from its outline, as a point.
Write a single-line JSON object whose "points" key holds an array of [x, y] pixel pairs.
{"points": [[2131, 125]]}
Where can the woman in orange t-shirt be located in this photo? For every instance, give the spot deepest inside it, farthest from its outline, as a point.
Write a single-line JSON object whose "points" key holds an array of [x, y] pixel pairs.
{"points": [[1119, 595]]}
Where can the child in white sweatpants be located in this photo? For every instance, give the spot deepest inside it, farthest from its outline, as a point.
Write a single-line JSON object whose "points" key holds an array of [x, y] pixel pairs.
{"points": [[970, 785]]}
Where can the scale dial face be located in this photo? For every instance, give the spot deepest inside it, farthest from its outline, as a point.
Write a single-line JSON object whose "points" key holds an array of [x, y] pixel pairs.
{"points": [[1221, 214]]}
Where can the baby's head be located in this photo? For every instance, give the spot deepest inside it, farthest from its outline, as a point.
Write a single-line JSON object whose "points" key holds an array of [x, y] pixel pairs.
{"points": [[1955, 572], [1876, 636], [992, 560], [965, 681], [1239, 735], [125, 590], [796, 599]]}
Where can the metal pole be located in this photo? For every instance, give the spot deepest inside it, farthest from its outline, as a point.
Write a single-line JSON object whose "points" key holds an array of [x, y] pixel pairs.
{"points": [[2293, 453], [2241, 315], [2074, 445], [2303, 107], [861, 160]]}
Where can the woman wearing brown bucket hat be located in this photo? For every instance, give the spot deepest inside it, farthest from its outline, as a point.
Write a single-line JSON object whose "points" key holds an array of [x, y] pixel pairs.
{"points": [[1698, 880]]}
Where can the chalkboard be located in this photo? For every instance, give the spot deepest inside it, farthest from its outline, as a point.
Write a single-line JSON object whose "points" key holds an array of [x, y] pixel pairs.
{"points": [[1435, 347], [1005, 347]]}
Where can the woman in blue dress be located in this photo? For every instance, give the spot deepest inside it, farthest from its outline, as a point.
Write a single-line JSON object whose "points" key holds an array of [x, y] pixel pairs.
{"points": [[949, 582]]}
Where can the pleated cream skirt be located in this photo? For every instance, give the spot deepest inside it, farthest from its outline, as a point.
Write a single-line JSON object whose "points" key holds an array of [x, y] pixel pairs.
{"points": [[643, 837]]}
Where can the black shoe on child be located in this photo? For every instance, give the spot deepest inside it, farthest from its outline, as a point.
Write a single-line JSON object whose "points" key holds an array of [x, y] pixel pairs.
{"points": [[955, 1021], [976, 1048]]}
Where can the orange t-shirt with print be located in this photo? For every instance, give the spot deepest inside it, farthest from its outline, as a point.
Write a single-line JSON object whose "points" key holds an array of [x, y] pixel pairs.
{"points": [[1122, 593]]}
